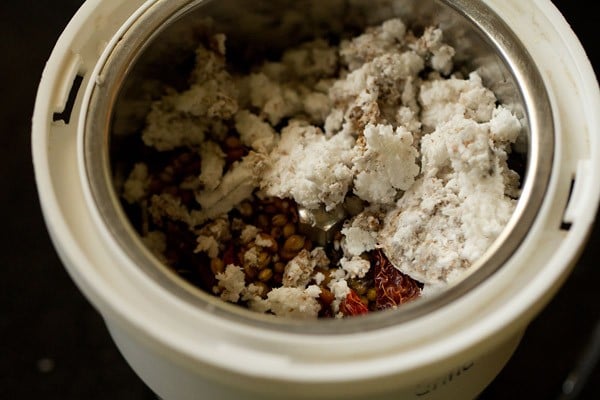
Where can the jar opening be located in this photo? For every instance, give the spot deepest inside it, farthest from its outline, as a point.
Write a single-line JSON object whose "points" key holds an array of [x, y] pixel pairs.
{"points": [[158, 50]]}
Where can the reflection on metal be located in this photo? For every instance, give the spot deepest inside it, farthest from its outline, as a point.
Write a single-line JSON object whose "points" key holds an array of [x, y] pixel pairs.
{"points": [[321, 225]]}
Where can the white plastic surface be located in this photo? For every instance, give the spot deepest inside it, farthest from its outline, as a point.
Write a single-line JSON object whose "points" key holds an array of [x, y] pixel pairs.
{"points": [[165, 338]]}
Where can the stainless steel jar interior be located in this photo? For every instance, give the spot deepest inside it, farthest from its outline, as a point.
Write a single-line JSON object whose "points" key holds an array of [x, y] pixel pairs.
{"points": [[157, 48]]}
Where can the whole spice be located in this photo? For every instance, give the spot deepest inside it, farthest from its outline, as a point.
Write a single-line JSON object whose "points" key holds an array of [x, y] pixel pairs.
{"points": [[392, 287], [352, 305], [294, 243]]}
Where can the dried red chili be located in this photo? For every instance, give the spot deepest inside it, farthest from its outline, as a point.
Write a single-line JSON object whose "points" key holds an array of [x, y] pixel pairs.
{"points": [[352, 305], [392, 286]]}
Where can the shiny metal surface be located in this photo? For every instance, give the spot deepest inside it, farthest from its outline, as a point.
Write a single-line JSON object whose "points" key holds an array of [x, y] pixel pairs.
{"points": [[254, 29], [320, 225]]}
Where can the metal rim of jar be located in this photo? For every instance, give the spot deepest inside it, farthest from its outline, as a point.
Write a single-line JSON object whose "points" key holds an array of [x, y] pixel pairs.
{"points": [[96, 159]]}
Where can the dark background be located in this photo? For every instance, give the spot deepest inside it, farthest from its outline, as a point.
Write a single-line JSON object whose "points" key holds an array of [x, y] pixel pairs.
{"points": [[54, 345]]}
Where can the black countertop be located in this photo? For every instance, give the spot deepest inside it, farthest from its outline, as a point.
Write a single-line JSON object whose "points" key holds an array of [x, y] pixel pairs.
{"points": [[54, 345]]}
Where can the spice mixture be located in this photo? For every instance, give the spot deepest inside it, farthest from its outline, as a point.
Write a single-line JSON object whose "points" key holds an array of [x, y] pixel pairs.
{"points": [[380, 128]]}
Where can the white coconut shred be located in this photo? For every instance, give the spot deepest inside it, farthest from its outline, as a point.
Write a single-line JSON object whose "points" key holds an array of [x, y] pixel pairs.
{"points": [[380, 118]]}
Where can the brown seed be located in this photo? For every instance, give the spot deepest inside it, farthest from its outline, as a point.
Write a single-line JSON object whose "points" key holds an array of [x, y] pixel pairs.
{"points": [[279, 220], [270, 209], [278, 202], [264, 259], [360, 290], [287, 255], [328, 277], [250, 272], [279, 267], [276, 232], [294, 243], [372, 294], [262, 221], [233, 142], [326, 296], [358, 286], [284, 205], [267, 242], [326, 273], [277, 278], [262, 289], [217, 265], [288, 230], [246, 209], [268, 200], [235, 154], [265, 275], [241, 253]]}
